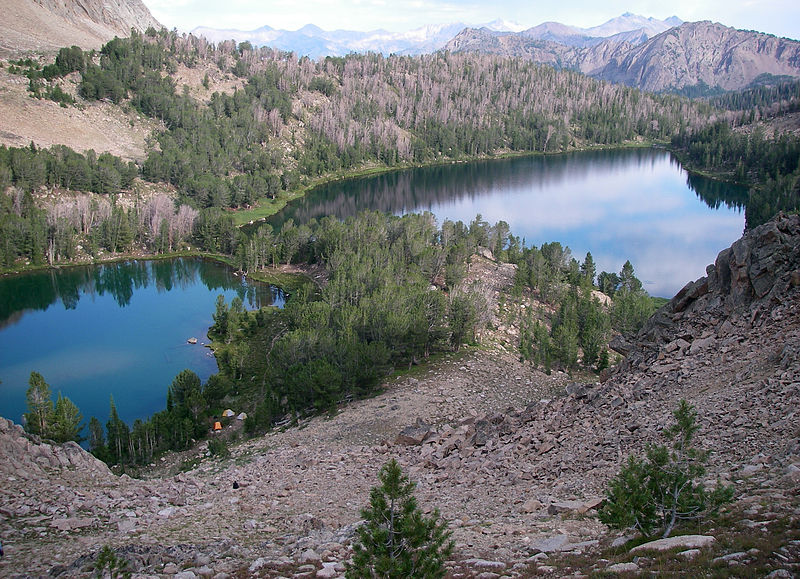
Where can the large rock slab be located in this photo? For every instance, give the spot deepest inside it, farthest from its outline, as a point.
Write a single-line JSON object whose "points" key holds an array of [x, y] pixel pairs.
{"points": [[684, 541]]}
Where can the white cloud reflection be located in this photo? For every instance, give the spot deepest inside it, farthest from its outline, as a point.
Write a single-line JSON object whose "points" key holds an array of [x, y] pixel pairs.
{"points": [[640, 211]]}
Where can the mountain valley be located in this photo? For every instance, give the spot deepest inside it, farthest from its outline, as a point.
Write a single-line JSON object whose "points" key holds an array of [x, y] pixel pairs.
{"points": [[176, 139]]}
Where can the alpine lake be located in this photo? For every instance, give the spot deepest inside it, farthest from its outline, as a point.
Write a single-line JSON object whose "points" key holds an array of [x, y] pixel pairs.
{"points": [[122, 329]]}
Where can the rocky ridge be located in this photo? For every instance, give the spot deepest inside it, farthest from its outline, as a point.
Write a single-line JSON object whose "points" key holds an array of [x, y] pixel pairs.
{"points": [[515, 460], [694, 53], [703, 53], [312, 41], [45, 25]]}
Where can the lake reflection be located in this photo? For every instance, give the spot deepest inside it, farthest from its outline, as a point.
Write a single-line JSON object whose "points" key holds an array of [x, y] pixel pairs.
{"points": [[636, 204], [119, 329]]}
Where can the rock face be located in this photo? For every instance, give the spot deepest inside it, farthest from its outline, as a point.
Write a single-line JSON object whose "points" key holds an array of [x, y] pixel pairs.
{"points": [[22, 456], [703, 53], [44, 25], [694, 53], [749, 281]]}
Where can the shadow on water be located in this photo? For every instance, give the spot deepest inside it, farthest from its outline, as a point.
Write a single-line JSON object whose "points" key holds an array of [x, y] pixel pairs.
{"points": [[39, 290], [717, 194], [424, 188]]}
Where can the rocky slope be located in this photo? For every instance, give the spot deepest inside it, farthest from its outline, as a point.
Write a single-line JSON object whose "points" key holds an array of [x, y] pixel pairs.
{"points": [[101, 126], [704, 52], [694, 53], [44, 25], [515, 460]]}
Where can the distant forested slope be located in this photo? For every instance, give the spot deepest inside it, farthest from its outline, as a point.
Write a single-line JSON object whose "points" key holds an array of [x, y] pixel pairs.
{"points": [[297, 118]]}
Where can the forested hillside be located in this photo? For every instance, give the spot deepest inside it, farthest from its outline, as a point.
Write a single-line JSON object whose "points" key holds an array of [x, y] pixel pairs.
{"points": [[303, 118], [293, 120]]}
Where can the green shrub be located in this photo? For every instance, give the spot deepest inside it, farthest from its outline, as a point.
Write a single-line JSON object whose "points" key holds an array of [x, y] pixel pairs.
{"points": [[397, 540], [108, 564], [652, 495], [218, 447]]}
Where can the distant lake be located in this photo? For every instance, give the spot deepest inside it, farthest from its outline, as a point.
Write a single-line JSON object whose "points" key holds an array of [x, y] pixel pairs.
{"points": [[636, 204], [119, 329]]}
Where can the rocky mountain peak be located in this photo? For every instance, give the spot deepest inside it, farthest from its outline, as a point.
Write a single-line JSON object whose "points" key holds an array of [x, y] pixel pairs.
{"points": [[670, 58], [703, 53], [44, 25]]}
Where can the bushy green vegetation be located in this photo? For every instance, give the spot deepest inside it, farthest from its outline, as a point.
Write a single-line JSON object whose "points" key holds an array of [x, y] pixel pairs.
{"points": [[50, 233], [41, 78], [654, 494], [397, 540], [60, 423], [185, 420], [582, 325], [30, 168], [384, 306], [109, 564], [769, 163], [761, 102]]}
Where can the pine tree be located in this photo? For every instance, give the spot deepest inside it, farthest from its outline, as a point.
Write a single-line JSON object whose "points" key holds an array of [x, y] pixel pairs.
{"points": [[543, 356], [66, 423], [40, 405], [108, 564], [117, 435], [652, 495], [97, 439], [397, 540], [588, 269]]}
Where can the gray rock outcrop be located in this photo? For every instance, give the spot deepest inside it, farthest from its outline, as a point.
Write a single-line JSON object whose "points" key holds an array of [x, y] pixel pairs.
{"points": [[45, 25], [746, 282], [692, 54], [25, 457]]}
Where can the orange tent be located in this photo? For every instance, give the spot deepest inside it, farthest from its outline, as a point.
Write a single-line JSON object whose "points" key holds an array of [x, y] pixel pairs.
{"points": [[217, 426]]}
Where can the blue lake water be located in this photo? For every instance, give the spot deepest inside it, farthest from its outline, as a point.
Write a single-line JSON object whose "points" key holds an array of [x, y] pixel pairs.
{"points": [[636, 204], [119, 329]]}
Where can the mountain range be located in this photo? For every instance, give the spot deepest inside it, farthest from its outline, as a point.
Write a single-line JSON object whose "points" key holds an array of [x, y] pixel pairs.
{"points": [[314, 42], [647, 53], [701, 55]]}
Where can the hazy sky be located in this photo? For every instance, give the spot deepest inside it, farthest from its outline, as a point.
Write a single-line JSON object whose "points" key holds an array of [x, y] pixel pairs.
{"points": [[780, 17]]}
